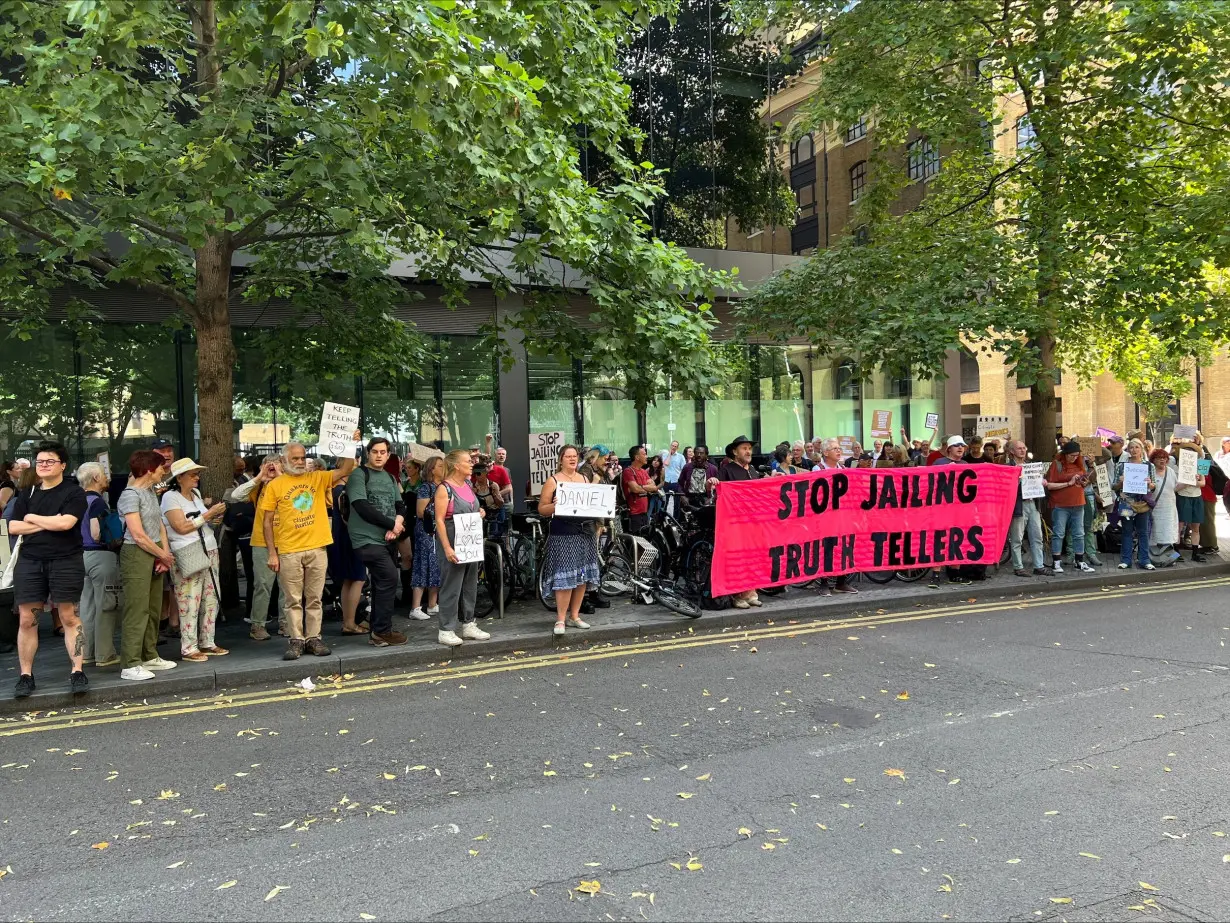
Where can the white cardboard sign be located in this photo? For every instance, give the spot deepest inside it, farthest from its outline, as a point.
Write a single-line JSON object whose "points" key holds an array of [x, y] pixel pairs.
{"points": [[468, 543], [104, 459], [1032, 487], [544, 458], [587, 501], [1136, 478], [933, 421], [993, 427], [338, 423], [1104, 491], [1187, 467]]}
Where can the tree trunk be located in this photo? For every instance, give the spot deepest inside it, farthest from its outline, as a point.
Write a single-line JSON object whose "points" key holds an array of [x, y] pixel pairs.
{"points": [[215, 363], [1042, 402]]}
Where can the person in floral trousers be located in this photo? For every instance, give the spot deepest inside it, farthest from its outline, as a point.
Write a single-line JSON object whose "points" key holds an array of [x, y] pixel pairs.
{"points": [[189, 522]]}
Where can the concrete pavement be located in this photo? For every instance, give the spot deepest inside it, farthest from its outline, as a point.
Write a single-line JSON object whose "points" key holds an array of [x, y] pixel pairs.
{"points": [[526, 627], [1051, 758]]}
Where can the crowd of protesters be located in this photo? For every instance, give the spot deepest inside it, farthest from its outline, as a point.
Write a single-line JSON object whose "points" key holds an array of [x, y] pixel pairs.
{"points": [[387, 526]]}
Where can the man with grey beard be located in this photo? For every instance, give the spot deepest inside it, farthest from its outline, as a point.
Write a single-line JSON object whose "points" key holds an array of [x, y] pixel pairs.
{"points": [[295, 522]]}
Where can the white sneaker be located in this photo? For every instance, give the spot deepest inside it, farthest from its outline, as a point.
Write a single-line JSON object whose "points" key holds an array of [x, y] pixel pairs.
{"points": [[472, 632], [448, 637], [159, 663], [136, 673], [1086, 568], [419, 615], [1125, 567], [433, 610], [1057, 567], [1150, 566]]}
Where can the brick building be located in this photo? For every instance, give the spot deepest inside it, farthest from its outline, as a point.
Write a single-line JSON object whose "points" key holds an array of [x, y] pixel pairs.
{"points": [[828, 170]]}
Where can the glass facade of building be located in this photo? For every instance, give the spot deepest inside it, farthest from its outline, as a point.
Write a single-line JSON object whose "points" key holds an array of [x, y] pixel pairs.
{"points": [[121, 386]]}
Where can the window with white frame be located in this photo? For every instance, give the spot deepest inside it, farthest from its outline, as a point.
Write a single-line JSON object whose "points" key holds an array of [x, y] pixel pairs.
{"points": [[857, 130], [1025, 133], [858, 180]]}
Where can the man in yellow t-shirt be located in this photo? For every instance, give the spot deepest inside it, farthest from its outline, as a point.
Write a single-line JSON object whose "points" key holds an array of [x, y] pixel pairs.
{"points": [[295, 523]]}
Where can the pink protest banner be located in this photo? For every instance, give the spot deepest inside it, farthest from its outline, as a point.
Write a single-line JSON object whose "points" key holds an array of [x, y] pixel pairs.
{"points": [[781, 530]]}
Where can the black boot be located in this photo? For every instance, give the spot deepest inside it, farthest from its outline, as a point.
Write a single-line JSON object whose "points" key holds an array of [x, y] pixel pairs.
{"points": [[597, 600], [1197, 557]]}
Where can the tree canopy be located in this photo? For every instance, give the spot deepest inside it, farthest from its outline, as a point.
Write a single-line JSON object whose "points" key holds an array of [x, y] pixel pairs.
{"points": [[157, 142], [1083, 234]]}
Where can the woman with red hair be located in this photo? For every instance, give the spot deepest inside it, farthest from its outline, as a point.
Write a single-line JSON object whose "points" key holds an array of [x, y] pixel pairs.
{"points": [[145, 559]]}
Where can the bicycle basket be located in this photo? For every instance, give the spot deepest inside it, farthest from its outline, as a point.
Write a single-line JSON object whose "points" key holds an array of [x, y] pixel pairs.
{"points": [[646, 555]]}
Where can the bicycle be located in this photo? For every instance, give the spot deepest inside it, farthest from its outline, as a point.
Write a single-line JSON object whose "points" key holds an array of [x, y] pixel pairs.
{"points": [[630, 567]]}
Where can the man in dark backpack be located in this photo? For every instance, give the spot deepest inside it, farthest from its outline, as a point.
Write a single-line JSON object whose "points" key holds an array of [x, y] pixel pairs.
{"points": [[376, 519]]}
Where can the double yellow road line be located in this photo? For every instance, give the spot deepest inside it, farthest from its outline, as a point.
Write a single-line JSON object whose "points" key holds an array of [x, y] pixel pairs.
{"points": [[378, 683]]}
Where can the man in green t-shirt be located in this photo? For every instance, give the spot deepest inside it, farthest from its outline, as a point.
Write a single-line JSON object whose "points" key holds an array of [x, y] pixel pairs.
{"points": [[376, 521]]}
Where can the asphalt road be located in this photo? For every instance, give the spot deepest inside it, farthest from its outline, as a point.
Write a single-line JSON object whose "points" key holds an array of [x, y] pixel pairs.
{"points": [[1062, 759]]}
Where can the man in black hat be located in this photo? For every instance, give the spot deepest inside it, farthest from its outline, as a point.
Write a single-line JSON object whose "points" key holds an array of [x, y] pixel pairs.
{"points": [[739, 468]]}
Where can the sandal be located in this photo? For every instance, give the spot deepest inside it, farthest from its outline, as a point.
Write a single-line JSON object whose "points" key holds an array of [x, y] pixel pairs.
{"points": [[353, 631], [194, 657], [214, 651]]}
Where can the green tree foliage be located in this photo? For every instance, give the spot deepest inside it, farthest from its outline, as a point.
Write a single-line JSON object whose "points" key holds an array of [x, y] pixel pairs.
{"points": [[1097, 233], [156, 143], [697, 83]]}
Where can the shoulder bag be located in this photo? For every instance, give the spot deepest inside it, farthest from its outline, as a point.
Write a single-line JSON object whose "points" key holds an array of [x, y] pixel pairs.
{"points": [[192, 558]]}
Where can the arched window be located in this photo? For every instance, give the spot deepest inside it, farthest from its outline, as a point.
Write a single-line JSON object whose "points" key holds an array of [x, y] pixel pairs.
{"points": [[970, 377], [846, 384], [801, 151]]}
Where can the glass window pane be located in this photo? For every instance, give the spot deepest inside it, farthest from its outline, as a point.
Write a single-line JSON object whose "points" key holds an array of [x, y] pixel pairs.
{"points": [[128, 391], [38, 397], [730, 412], [610, 417], [783, 412], [552, 393], [672, 417], [468, 407], [404, 409], [836, 408]]}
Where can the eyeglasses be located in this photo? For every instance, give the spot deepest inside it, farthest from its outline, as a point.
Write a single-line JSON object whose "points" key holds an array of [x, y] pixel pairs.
{"points": [[47, 462]]}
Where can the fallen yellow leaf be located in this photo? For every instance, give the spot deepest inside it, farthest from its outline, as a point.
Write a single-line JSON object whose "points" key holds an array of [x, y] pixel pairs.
{"points": [[1089, 855], [686, 795], [166, 795], [767, 846], [175, 865], [390, 776], [589, 887], [1050, 813], [366, 916], [220, 787], [895, 773], [549, 772], [694, 865], [849, 781], [1147, 886], [103, 845], [417, 768], [1013, 861], [897, 852], [744, 831], [226, 884], [274, 893], [704, 778], [1061, 900], [903, 696]]}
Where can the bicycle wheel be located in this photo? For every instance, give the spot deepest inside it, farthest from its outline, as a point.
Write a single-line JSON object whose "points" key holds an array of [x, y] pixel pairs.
{"points": [[485, 596], [616, 579], [911, 574], [545, 596], [673, 595], [521, 557], [698, 560], [880, 576]]}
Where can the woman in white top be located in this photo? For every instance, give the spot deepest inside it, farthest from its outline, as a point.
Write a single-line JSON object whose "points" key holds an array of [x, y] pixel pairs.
{"points": [[1165, 509], [188, 522]]}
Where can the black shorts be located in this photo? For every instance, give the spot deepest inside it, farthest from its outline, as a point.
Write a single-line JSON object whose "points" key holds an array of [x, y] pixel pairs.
{"points": [[59, 579]]}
